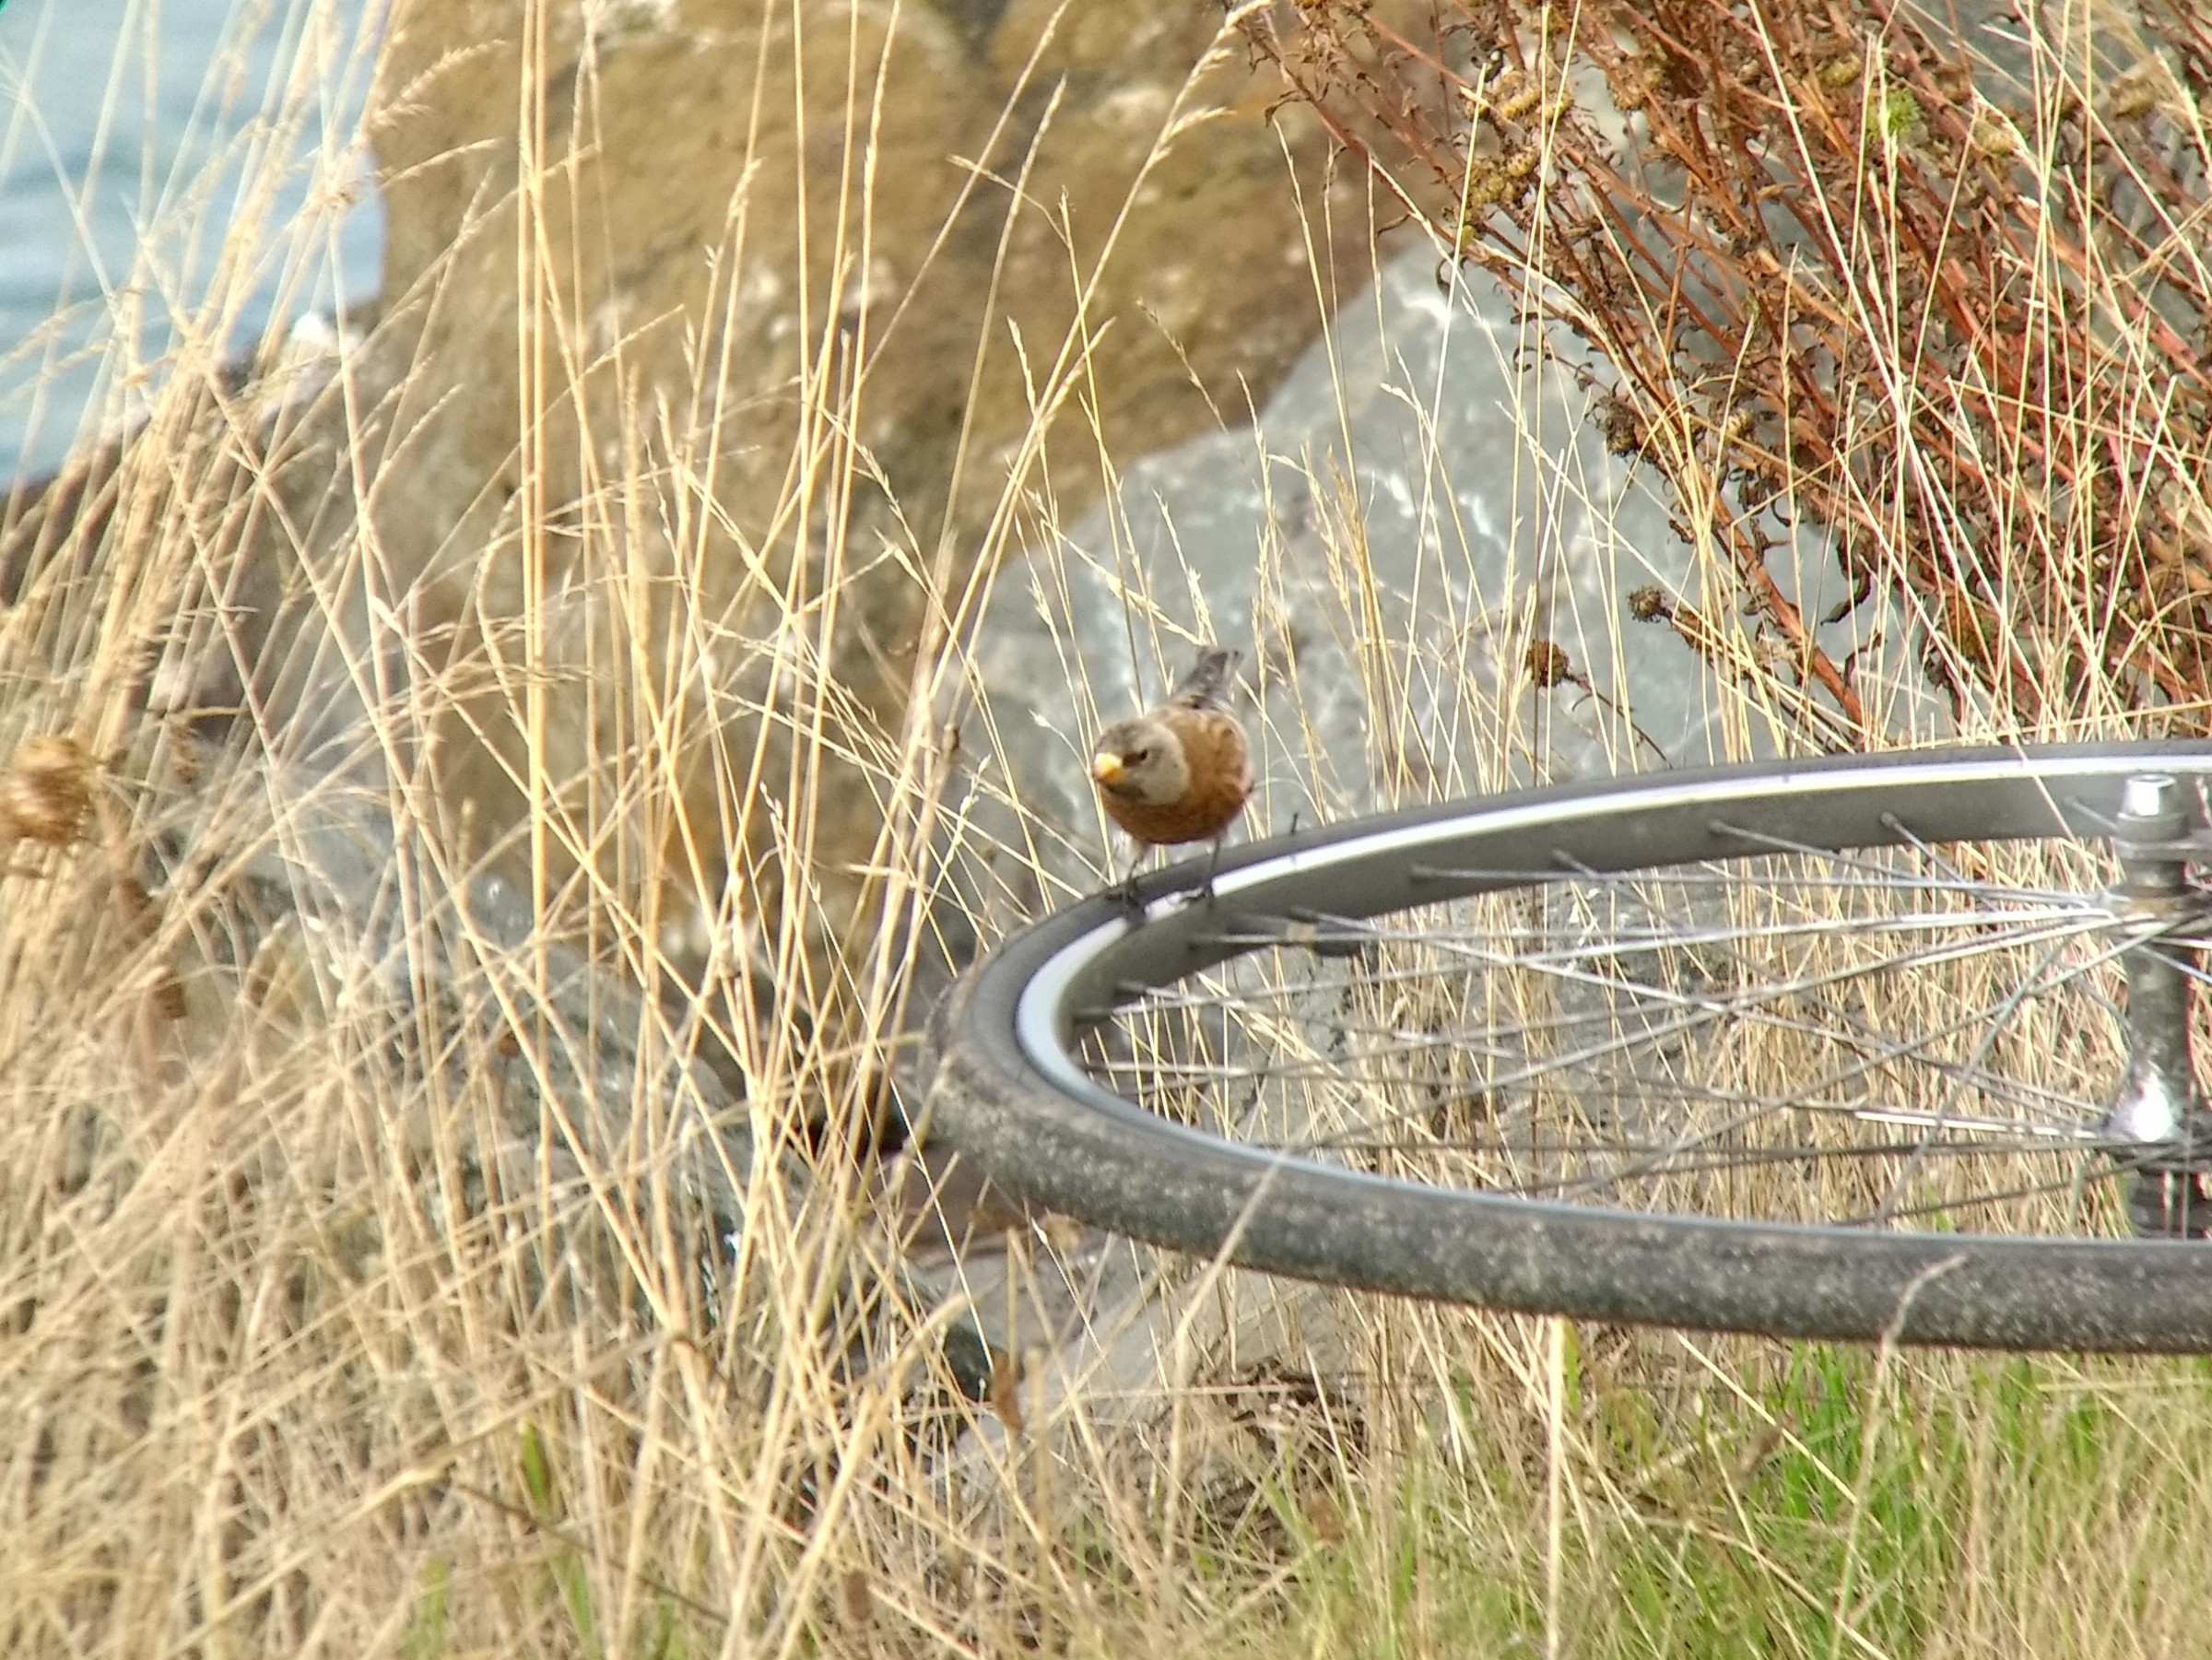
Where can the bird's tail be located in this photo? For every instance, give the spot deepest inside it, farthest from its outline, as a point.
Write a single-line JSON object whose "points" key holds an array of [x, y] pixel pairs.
{"points": [[1207, 686]]}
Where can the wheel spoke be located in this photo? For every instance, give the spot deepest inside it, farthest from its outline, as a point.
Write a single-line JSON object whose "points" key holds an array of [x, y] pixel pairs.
{"points": [[1616, 1019]]}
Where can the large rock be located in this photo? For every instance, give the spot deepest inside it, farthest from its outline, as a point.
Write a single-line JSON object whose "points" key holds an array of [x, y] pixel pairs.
{"points": [[1431, 560], [742, 233]]}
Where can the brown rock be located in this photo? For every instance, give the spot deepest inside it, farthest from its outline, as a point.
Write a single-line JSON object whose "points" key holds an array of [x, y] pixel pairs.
{"points": [[741, 245]]}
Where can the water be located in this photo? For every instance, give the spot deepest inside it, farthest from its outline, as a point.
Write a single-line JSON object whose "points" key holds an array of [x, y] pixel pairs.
{"points": [[136, 137]]}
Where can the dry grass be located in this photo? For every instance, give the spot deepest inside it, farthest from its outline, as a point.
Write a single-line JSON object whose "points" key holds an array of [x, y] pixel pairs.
{"points": [[1942, 295], [360, 1295]]}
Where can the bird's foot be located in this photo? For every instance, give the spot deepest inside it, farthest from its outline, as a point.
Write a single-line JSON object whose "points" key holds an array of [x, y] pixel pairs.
{"points": [[1123, 893]]}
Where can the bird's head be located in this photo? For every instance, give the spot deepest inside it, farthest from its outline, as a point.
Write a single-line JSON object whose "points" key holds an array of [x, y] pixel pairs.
{"points": [[1140, 761]]}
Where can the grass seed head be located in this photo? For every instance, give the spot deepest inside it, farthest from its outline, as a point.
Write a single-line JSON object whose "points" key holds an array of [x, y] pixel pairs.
{"points": [[46, 791]]}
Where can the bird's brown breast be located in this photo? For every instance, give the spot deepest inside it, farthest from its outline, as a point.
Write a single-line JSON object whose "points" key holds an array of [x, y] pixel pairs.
{"points": [[1220, 768]]}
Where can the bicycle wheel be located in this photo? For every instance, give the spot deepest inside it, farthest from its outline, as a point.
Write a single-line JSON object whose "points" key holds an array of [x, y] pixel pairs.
{"points": [[1861, 1047]]}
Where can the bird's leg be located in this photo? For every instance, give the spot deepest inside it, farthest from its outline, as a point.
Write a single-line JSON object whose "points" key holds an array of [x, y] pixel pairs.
{"points": [[1124, 891], [1213, 858]]}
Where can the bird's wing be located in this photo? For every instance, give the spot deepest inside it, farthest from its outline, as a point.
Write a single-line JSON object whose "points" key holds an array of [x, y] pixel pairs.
{"points": [[1206, 685]]}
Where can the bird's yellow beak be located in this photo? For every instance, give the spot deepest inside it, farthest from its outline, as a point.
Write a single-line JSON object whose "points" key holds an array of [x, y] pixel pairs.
{"points": [[1106, 766]]}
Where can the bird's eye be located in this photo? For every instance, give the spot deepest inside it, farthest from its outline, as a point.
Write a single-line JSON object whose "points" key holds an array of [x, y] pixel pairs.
{"points": [[1139, 754]]}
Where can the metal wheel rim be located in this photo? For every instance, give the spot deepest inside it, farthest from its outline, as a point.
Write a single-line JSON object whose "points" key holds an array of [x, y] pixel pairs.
{"points": [[1013, 1098]]}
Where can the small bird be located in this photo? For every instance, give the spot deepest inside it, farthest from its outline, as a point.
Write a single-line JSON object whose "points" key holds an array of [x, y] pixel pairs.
{"points": [[1179, 772]]}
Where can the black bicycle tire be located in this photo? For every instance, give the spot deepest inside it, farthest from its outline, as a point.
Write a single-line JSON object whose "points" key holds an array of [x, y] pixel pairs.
{"points": [[1070, 1146]]}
